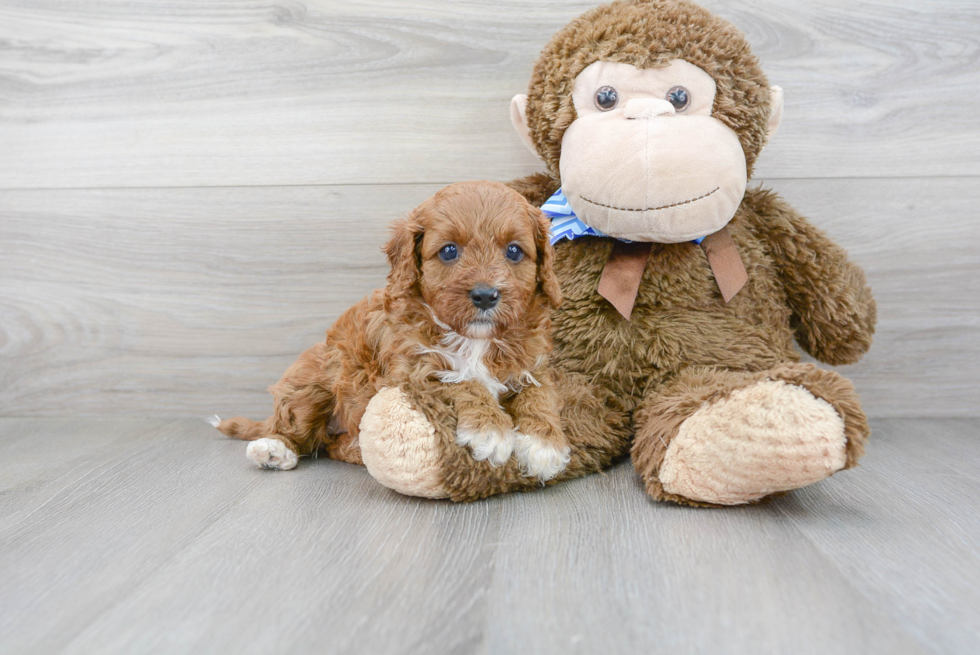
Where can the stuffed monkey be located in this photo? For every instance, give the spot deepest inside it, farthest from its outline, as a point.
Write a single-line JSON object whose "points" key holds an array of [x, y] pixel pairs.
{"points": [[683, 290]]}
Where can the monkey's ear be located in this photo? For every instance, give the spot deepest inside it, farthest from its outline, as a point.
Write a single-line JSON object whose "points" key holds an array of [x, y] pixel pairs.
{"points": [[402, 252], [547, 279], [775, 111], [518, 116]]}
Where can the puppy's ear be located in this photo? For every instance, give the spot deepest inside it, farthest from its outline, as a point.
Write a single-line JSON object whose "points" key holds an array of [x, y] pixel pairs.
{"points": [[547, 280], [403, 256]]}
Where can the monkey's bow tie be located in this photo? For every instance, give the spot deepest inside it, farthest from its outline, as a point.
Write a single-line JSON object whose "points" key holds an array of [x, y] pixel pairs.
{"points": [[566, 225], [620, 281]]}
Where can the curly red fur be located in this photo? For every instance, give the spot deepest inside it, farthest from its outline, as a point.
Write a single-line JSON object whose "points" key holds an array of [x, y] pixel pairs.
{"points": [[394, 336]]}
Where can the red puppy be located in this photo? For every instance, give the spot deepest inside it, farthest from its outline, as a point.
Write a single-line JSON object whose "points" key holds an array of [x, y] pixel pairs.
{"points": [[465, 315]]}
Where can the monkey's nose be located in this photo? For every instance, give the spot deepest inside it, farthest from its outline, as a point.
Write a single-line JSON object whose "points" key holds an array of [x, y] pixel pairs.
{"points": [[484, 297], [647, 108]]}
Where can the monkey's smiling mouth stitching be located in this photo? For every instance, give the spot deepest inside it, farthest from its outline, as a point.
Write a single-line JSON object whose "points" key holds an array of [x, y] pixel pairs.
{"points": [[650, 209]]}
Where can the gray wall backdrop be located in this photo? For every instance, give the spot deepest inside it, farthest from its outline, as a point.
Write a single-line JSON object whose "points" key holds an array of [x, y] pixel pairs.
{"points": [[192, 191]]}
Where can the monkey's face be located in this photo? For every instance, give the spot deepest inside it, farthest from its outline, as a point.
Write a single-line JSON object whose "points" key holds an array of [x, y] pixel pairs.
{"points": [[644, 159]]}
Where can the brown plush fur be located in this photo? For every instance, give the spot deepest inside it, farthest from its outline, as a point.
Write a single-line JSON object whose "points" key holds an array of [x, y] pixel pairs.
{"points": [[661, 415], [381, 341], [684, 346], [595, 426], [646, 34]]}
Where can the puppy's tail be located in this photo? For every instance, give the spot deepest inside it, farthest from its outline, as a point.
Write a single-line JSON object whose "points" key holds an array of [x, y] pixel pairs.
{"points": [[240, 428]]}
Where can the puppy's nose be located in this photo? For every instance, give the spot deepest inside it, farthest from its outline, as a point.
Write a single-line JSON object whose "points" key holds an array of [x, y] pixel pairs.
{"points": [[484, 297]]}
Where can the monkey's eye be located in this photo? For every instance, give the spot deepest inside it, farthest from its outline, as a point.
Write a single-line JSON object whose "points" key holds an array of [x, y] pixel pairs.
{"points": [[606, 98], [449, 252], [679, 97], [514, 253]]}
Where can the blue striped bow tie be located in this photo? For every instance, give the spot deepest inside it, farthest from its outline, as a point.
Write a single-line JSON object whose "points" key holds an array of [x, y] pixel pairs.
{"points": [[566, 225]]}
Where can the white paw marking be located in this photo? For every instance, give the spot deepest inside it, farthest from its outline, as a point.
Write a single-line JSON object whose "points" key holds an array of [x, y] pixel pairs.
{"points": [[539, 459], [272, 454], [488, 445], [215, 421]]}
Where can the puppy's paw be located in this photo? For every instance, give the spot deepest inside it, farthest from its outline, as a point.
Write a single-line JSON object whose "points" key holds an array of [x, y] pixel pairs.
{"points": [[487, 444], [538, 458], [272, 454]]}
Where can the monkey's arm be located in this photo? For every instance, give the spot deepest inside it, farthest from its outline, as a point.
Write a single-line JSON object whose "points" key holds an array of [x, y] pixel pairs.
{"points": [[536, 188], [833, 310]]}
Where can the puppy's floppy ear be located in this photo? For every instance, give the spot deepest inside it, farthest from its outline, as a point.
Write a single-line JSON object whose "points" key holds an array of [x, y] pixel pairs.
{"points": [[403, 256], [547, 281]]}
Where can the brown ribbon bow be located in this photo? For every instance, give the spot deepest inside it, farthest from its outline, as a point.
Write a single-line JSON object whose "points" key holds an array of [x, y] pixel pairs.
{"points": [[621, 276]]}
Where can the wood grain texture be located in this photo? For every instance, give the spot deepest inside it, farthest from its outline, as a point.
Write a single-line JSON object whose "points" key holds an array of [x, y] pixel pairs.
{"points": [[184, 302], [159, 536], [191, 191], [114, 93], [919, 242], [917, 557], [137, 299]]}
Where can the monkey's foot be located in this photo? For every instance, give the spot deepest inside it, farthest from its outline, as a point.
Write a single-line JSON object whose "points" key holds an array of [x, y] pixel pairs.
{"points": [[398, 446], [765, 438]]}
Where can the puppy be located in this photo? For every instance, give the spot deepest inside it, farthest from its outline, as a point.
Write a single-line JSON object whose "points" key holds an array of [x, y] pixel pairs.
{"points": [[465, 316]]}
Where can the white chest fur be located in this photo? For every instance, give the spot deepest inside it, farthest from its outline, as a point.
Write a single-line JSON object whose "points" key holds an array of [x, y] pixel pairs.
{"points": [[465, 358]]}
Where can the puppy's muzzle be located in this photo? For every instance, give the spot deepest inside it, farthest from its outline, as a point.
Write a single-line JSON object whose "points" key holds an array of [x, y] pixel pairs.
{"points": [[484, 297]]}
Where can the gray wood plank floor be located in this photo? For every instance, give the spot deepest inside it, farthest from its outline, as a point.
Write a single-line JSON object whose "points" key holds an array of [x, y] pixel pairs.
{"points": [[191, 192], [183, 302], [158, 536], [120, 93]]}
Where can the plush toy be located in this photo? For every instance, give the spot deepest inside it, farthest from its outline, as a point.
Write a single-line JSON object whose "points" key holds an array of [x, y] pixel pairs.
{"points": [[683, 291]]}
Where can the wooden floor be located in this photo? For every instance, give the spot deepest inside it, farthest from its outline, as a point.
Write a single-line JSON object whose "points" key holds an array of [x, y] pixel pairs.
{"points": [[158, 536], [191, 192]]}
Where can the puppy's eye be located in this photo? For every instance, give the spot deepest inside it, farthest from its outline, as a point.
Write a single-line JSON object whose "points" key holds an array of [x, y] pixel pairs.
{"points": [[514, 253], [606, 98], [449, 252], [679, 97]]}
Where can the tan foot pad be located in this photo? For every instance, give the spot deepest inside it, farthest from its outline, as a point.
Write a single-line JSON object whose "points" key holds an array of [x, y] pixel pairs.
{"points": [[398, 446], [765, 438]]}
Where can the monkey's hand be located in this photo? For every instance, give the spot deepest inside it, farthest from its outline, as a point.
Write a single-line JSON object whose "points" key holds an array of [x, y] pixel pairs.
{"points": [[834, 313]]}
